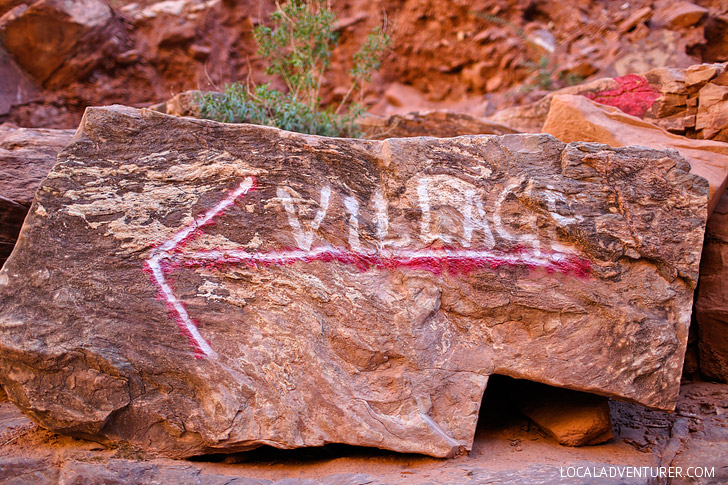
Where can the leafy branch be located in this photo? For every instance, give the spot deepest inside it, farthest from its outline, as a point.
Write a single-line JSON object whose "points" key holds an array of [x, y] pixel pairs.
{"points": [[298, 49]]}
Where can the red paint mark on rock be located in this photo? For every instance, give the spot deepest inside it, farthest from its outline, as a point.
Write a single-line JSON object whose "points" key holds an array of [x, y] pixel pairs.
{"points": [[162, 260], [633, 95], [172, 255], [452, 261]]}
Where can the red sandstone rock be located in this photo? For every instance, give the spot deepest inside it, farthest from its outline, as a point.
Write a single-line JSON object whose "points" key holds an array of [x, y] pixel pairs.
{"points": [[670, 98], [711, 304], [678, 15], [57, 42], [440, 123], [15, 88], [571, 418], [640, 16], [701, 74], [182, 104], [575, 118], [26, 157], [712, 94], [357, 292]]}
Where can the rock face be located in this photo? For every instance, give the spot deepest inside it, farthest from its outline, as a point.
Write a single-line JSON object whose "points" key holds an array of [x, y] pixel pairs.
{"points": [[16, 87], [57, 42], [26, 157], [711, 304], [571, 418], [576, 118], [691, 102], [195, 287]]}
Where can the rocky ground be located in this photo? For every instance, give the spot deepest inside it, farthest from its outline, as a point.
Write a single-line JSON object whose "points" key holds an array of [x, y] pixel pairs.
{"points": [[507, 449]]}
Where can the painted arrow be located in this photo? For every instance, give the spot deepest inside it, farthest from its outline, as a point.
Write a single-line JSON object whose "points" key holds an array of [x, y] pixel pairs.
{"points": [[172, 254]]}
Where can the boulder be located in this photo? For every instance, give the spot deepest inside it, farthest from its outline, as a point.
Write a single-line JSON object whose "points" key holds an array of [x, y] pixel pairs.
{"points": [[572, 418], [57, 42], [571, 118], [689, 102], [711, 303], [26, 157], [576, 118], [529, 118], [196, 287]]}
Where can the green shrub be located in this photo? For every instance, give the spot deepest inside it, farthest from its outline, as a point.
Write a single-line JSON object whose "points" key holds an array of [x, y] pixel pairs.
{"points": [[298, 49]]}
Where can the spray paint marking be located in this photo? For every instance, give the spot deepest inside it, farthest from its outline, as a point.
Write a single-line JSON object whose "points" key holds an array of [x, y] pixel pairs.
{"points": [[437, 261], [633, 95], [172, 255], [161, 261]]}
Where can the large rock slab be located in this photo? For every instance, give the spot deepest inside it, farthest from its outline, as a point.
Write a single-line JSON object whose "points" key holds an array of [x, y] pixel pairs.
{"points": [[572, 118], [194, 287]]}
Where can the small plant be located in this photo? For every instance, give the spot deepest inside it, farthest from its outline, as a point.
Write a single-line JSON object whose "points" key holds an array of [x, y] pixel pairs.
{"points": [[298, 49]]}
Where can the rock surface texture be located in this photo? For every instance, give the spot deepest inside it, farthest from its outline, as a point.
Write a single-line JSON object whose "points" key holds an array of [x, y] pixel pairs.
{"points": [[57, 42], [26, 157], [711, 303], [571, 418], [195, 287], [506, 450], [576, 118], [691, 102], [439, 123]]}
